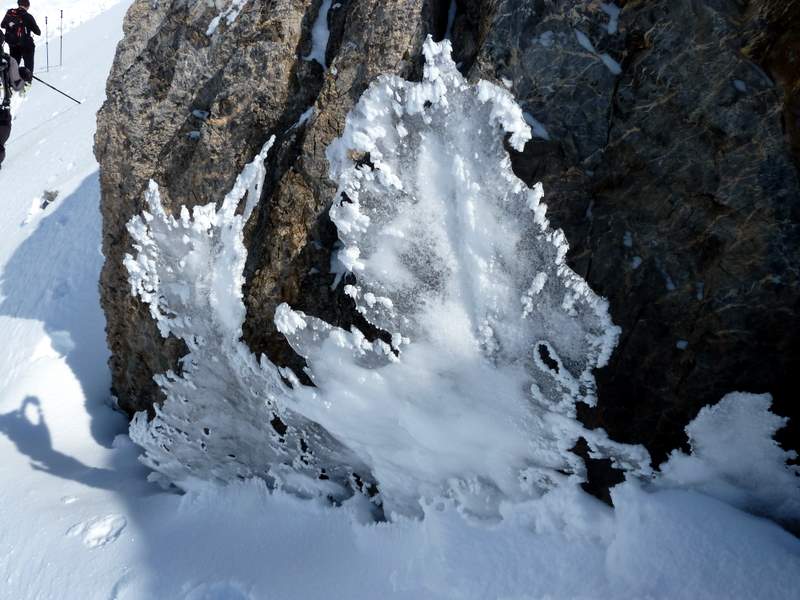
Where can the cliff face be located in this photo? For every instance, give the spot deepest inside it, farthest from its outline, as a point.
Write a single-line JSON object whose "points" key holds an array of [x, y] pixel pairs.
{"points": [[666, 140]]}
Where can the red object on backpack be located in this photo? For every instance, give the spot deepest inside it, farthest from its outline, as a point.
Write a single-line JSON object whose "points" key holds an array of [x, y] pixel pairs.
{"points": [[16, 32]]}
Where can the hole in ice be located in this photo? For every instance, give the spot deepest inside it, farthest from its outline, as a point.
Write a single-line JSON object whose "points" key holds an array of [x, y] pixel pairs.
{"points": [[544, 354], [278, 425]]}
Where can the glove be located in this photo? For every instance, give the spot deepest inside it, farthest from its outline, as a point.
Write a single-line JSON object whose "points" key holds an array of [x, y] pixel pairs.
{"points": [[26, 74]]}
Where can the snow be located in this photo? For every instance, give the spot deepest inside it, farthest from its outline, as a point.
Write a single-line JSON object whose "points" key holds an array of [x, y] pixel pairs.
{"points": [[229, 16], [304, 118], [734, 458], [79, 521], [75, 13], [610, 63], [700, 288], [585, 43], [320, 35], [612, 10], [546, 39], [451, 20], [537, 129]]}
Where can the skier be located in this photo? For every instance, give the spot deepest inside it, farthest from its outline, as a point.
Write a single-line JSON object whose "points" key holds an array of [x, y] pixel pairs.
{"points": [[19, 24], [13, 78]]}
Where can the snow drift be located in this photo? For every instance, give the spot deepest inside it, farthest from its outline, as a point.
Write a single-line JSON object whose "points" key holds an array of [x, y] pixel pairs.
{"points": [[735, 458]]}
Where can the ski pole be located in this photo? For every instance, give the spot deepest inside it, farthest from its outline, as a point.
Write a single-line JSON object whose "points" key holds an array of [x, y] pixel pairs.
{"points": [[61, 42], [46, 46], [56, 89]]}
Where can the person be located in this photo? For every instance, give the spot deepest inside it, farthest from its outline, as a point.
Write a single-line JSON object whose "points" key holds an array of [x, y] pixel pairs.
{"points": [[13, 79], [19, 25]]}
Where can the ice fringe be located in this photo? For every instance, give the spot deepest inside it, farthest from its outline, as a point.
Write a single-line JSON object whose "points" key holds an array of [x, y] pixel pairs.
{"points": [[215, 422], [490, 339]]}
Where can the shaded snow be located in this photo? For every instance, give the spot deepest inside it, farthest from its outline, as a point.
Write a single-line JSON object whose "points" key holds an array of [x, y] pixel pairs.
{"points": [[537, 129], [612, 10], [585, 43], [451, 19]]}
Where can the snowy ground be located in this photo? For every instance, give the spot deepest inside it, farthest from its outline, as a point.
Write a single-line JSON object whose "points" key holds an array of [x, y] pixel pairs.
{"points": [[78, 519]]}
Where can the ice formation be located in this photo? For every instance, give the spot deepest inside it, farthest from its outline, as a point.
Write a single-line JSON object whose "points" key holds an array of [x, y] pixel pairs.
{"points": [[489, 339], [216, 423]]}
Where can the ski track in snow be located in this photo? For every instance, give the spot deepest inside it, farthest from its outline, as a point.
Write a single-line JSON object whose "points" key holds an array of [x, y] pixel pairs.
{"points": [[63, 470]]}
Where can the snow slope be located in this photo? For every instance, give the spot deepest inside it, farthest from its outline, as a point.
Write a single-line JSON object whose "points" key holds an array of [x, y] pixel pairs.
{"points": [[79, 521]]}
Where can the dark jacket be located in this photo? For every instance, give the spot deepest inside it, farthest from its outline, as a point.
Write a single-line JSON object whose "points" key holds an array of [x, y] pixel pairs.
{"points": [[12, 79], [28, 22]]}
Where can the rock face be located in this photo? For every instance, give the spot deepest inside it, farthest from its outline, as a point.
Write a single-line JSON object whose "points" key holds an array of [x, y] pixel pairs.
{"points": [[668, 138]]}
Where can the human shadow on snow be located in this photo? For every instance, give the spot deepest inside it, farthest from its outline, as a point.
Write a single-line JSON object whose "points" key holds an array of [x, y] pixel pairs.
{"points": [[52, 277], [27, 429]]}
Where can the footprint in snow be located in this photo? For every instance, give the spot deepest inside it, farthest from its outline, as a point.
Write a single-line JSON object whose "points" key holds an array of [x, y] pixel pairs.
{"points": [[99, 531], [40, 203]]}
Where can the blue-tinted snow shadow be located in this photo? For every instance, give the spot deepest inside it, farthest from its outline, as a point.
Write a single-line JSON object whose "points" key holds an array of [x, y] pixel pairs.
{"points": [[27, 428], [52, 277]]}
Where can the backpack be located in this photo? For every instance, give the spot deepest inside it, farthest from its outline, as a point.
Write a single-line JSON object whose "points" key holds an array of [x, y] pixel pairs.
{"points": [[16, 32]]}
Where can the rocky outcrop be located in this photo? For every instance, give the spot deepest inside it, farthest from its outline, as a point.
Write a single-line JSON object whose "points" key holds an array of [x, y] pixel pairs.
{"points": [[665, 144]]}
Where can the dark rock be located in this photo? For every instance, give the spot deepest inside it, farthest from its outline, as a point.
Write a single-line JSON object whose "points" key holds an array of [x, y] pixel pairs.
{"points": [[677, 190]]}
